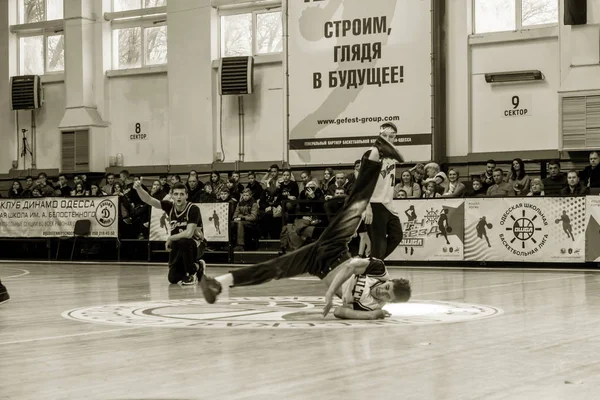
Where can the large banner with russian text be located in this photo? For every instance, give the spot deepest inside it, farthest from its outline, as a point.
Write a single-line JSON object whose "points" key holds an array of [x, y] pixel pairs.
{"points": [[56, 217], [215, 221], [353, 65], [592, 229], [541, 229], [432, 229]]}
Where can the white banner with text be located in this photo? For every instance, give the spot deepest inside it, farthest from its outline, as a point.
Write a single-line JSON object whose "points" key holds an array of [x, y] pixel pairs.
{"points": [[528, 229], [55, 217], [215, 221], [353, 65]]}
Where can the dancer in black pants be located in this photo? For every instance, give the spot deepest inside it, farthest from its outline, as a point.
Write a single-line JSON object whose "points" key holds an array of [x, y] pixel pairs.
{"points": [[363, 284], [383, 223], [4, 297], [186, 243]]}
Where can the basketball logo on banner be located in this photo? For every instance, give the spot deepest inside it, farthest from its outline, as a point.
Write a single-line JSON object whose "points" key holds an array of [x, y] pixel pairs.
{"points": [[215, 223], [106, 213]]}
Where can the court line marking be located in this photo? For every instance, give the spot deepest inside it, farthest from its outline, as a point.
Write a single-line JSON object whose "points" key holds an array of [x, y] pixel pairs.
{"points": [[501, 285], [68, 336], [25, 272], [394, 267]]}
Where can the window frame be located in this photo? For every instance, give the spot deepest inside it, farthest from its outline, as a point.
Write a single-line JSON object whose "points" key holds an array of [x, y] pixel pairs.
{"points": [[519, 27], [143, 22], [44, 33], [255, 10], [45, 19], [142, 6]]}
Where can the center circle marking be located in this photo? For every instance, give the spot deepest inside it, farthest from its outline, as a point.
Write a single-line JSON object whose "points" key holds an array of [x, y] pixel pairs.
{"points": [[277, 312]]}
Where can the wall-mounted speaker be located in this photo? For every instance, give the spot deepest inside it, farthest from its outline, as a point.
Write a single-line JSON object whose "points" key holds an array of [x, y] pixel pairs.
{"points": [[26, 92], [236, 75], [575, 12]]}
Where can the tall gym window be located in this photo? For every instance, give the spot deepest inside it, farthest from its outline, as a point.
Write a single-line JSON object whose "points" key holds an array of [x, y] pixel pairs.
{"points": [[139, 38], [31, 11], [511, 15], [252, 33], [126, 5], [41, 42]]}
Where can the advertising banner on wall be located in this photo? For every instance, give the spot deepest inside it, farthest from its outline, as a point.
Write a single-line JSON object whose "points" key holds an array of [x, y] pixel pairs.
{"points": [[353, 65], [432, 229], [215, 222], [55, 217], [592, 229], [525, 229]]}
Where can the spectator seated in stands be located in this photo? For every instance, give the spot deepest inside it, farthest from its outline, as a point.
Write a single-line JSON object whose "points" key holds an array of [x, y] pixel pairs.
{"points": [[164, 182], [245, 219], [500, 188], [433, 173], [351, 178], [431, 190], [16, 190], [556, 180], [216, 183], [287, 191], [339, 182], [36, 192], [110, 181], [455, 188], [401, 194], [328, 178], [537, 188], [270, 215], [43, 186], [269, 181], [225, 197], [590, 176], [63, 186], [335, 203], [418, 173], [28, 187], [487, 177], [79, 190], [95, 190], [194, 189], [408, 185], [208, 196], [518, 179], [254, 186], [477, 189], [311, 217], [305, 177], [234, 186], [574, 186]]}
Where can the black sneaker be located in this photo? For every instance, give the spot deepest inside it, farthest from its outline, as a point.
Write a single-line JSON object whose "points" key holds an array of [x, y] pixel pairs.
{"points": [[4, 297], [387, 150], [211, 288], [190, 280]]}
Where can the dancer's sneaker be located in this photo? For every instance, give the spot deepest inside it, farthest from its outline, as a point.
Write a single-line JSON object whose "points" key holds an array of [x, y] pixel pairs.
{"points": [[387, 150], [211, 288], [4, 297], [190, 280]]}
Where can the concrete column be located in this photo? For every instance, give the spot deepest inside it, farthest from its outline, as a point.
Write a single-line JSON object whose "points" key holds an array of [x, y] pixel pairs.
{"points": [[189, 24], [81, 71]]}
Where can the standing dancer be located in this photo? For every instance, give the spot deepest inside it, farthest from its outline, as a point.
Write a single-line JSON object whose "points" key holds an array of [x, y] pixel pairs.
{"points": [[363, 284], [383, 223]]}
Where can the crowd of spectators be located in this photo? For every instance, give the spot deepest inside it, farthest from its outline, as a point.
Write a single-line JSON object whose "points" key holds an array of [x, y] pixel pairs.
{"points": [[277, 206]]}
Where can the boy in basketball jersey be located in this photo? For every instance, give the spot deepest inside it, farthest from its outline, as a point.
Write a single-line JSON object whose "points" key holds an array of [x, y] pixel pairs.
{"points": [[363, 285], [186, 242], [383, 223]]}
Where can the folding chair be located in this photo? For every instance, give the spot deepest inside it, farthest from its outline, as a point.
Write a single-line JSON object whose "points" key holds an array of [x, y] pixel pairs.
{"points": [[81, 229]]}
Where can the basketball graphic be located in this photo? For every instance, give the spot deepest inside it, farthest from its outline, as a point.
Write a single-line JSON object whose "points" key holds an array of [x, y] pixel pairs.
{"points": [[449, 229], [556, 221], [489, 225]]}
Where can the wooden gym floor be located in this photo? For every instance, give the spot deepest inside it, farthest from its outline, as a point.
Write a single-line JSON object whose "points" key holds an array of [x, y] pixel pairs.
{"points": [[91, 331]]}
